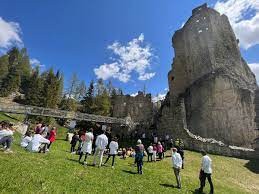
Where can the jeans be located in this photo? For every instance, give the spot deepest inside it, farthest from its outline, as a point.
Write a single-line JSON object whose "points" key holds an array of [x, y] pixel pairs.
{"points": [[99, 152], [113, 159], [6, 141], [177, 176], [203, 177]]}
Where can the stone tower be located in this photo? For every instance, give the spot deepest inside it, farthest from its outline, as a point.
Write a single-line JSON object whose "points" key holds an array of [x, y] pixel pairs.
{"points": [[211, 87]]}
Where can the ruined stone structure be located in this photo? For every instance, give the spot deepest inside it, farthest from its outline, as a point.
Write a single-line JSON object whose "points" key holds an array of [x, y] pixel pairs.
{"points": [[138, 109], [211, 88]]}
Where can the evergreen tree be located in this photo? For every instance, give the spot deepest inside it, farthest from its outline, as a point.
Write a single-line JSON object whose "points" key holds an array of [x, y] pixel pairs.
{"points": [[34, 93], [103, 103], [51, 89], [88, 100], [4, 63], [68, 104], [11, 82]]}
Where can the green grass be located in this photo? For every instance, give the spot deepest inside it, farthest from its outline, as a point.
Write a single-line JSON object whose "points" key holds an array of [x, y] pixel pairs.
{"points": [[11, 117], [59, 172]]}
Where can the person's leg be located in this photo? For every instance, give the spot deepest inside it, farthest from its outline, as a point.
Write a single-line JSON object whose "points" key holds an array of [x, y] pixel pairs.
{"points": [[140, 166], [49, 145], [113, 160], [95, 155], [176, 173], [8, 141], [183, 163], [80, 156], [86, 154], [71, 149], [107, 159], [211, 184], [202, 181], [101, 157]]}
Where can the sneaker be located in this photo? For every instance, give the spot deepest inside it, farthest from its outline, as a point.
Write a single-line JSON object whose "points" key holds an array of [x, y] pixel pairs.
{"points": [[8, 151], [85, 163], [112, 167], [73, 152], [47, 150]]}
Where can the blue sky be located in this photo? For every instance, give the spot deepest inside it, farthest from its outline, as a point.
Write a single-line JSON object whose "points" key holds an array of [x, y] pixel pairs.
{"points": [[74, 36]]}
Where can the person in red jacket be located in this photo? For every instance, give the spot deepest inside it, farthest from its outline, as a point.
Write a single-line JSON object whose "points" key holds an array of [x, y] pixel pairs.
{"points": [[52, 136]]}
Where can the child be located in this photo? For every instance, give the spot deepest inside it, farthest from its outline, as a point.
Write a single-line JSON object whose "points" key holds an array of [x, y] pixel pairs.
{"points": [[52, 136], [38, 144], [154, 152], [150, 152], [26, 139], [73, 142], [113, 150]]}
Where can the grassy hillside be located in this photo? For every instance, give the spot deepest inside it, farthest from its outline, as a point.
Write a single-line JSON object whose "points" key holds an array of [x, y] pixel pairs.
{"points": [[59, 172]]}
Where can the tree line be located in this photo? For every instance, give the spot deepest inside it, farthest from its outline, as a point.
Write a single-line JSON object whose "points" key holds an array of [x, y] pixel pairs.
{"points": [[46, 89]]}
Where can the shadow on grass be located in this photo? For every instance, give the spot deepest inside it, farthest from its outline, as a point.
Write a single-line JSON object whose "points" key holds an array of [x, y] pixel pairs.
{"points": [[168, 185], [253, 165], [129, 172], [196, 191]]}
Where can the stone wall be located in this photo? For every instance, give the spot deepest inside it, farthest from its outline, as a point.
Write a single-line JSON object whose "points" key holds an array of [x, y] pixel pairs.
{"points": [[138, 108]]}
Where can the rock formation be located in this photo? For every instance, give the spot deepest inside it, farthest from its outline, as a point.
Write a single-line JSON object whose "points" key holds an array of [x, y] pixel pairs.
{"points": [[211, 88]]}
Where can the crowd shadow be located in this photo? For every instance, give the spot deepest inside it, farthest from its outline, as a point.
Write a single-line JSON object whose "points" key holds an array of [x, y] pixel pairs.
{"points": [[253, 166], [129, 172], [168, 185]]}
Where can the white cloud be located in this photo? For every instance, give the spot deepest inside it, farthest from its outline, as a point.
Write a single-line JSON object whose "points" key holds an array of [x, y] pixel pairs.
{"points": [[9, 34], [135, 56], [35, 62], [255, 68], [134, 94], [159, 97], [244, 18]]}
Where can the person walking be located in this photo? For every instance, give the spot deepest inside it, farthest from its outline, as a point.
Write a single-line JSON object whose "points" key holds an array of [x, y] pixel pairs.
{"points": [[139, 156], [113, 150], [100, 143], [205, 172], [87, 146], [177, 165]]}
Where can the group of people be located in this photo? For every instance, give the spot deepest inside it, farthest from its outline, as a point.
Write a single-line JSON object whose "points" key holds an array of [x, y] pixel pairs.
{"points": [[37, 140], [44, 136]]}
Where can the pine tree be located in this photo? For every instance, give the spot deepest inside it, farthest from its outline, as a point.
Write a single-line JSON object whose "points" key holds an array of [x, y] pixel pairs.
{"points": [[88, 100], [4, 63], [103, 103], [10, 83], [34, 93]]}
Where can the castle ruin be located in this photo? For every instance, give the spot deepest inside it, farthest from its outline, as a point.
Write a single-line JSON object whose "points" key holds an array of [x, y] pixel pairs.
{"points": [[211, 99]]}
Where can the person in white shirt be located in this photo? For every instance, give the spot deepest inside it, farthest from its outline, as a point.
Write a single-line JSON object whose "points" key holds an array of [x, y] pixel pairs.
{"points": [[205, 172], [6, 138], [150, 153], [38, 144], [87, 145], [177, 165], [100, 143], [26, 139], [113, 150]]}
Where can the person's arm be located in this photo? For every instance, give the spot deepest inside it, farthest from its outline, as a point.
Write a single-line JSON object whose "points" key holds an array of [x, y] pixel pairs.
{"points": [[44, 140], [5, 133]]}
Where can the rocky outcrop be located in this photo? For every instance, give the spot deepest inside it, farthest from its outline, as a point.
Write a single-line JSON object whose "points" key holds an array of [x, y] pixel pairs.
{"points": [[212, 89]]}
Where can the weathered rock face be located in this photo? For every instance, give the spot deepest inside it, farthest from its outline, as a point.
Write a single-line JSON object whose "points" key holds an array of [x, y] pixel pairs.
{"points": [[212, 80]]}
